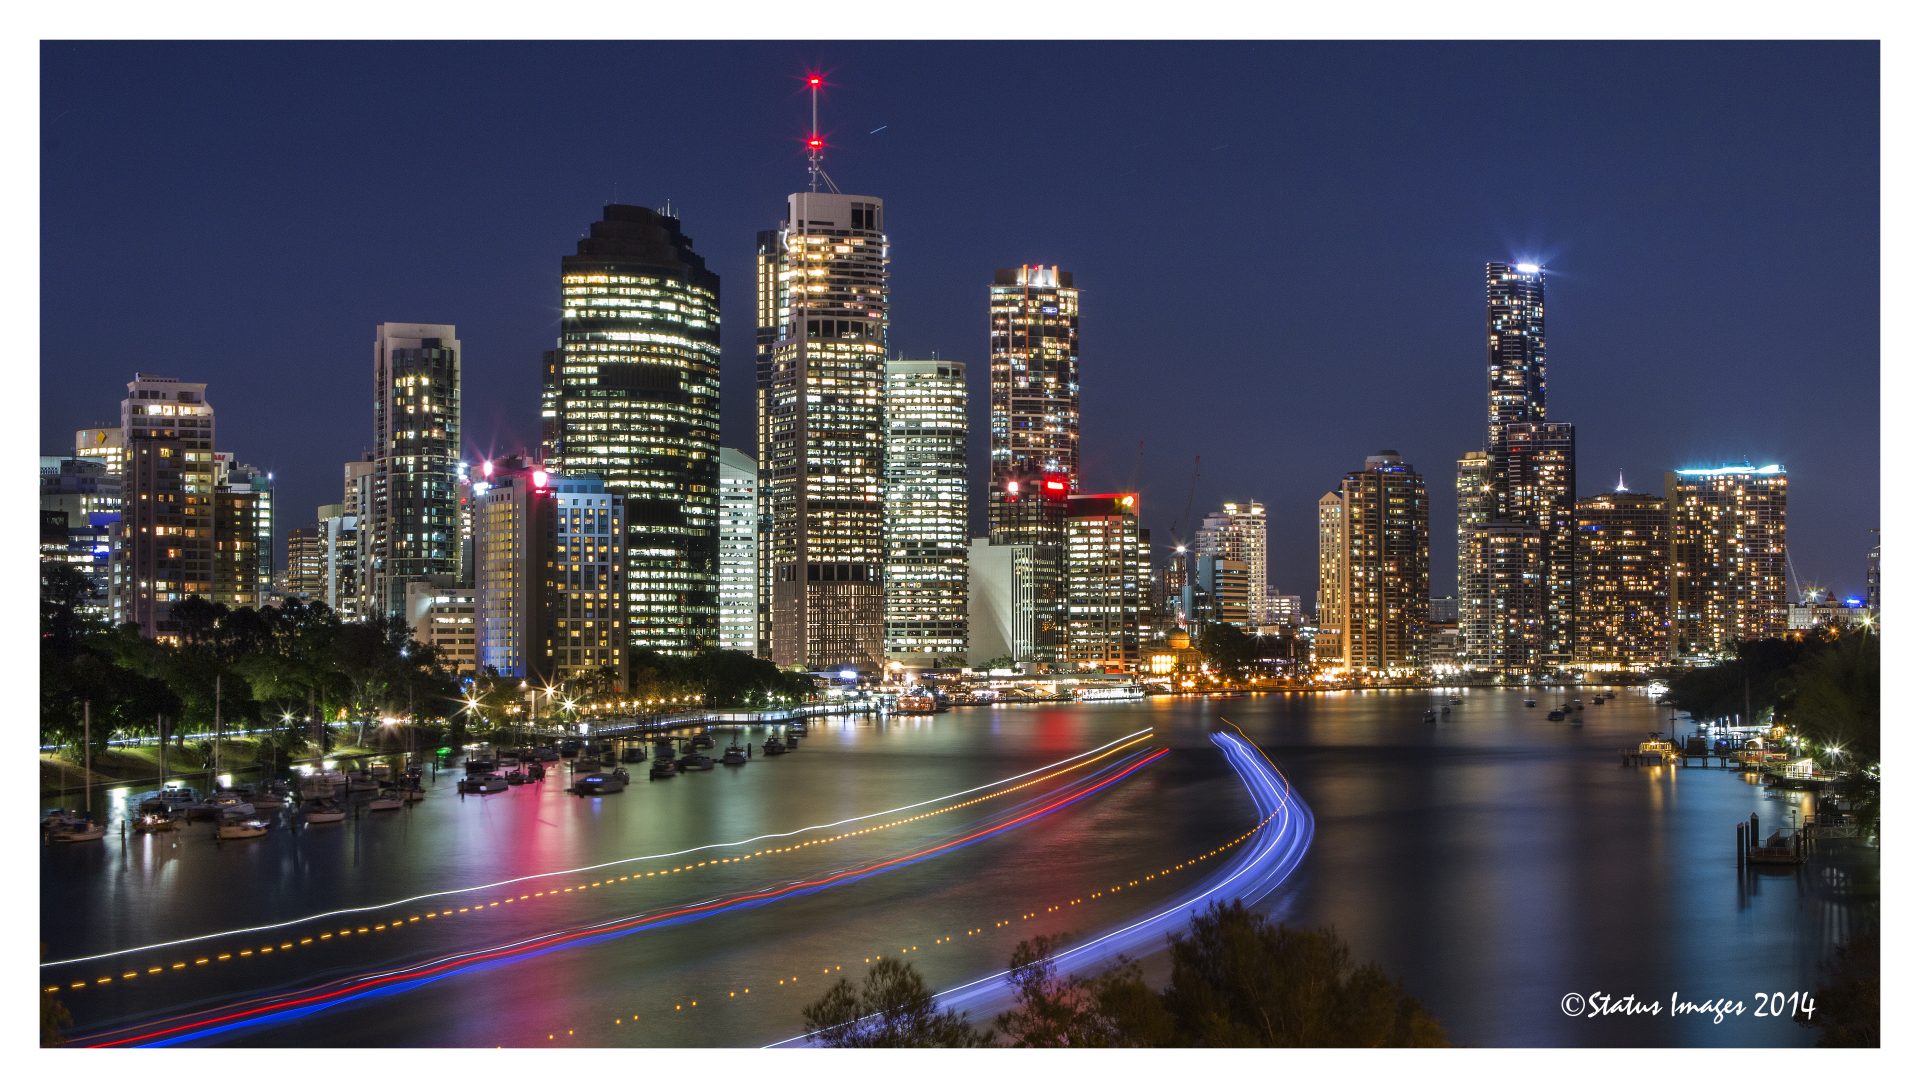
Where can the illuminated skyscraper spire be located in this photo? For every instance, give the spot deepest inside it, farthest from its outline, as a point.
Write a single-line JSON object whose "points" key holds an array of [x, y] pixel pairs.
{"points": [[816, 144]]}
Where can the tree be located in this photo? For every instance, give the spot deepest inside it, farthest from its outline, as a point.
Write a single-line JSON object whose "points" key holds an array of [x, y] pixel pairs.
{"points": [[892, 1008], [1834, 697], [1846, 1007], [1238, 980], [1229, 649]]}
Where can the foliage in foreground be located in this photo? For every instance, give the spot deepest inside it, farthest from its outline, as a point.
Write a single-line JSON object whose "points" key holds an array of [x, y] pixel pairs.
{"points": [[1238, 980], [1847, 1004]]}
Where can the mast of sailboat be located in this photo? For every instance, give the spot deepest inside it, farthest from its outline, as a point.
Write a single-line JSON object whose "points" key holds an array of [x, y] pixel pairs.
{"points": [[86, 750], [214, 784]]}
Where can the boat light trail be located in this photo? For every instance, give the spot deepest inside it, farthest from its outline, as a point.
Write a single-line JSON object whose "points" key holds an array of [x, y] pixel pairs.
{"points": [[400, 981], [1281, 847], [1126, 741]]}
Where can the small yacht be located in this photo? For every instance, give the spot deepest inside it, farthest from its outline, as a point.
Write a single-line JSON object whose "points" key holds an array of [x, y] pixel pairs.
{"points": [[705, 741], [798, 725], [1431, 717], [536, 771], [516, 777], [662, 768], [75, 828], [361, 782], [267, 799], [483, 783], [633, 753], [1556, 715], [774, 747], [914, 703], [153, 815], [234, 826], [320, 785], [736, 756], [176, 796], [694, 761], [1446, 712], [1455, 701], [323, 812], [592, 785], [1529, 702], [390, 800]]}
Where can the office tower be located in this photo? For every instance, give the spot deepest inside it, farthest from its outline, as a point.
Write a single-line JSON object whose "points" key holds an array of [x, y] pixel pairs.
{"points": [[106, 445], [739, 552], [820, 356], [1033, 314], [632, 397], [1330, 607], [1516, 347], [926, 511], [1536, 487], [1283, 609], [80, 513], [1000, 613], [442, 617], [1621, 552], [165, 553], [306, 564], [1221, 591], [549, 565], [1238, 531], [1170, 597], [1729, 567], [1373, 562], [339, 537], [242, 536], [1106, 567], [410, 531]]}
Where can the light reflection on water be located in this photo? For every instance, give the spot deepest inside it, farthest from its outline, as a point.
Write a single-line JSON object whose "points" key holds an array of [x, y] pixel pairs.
{"points": [[1494, 862]]}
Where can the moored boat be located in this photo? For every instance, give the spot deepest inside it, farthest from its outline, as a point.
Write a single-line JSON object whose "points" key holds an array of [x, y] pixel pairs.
{"points": [[736, 756], [390, 800], [323, 812], [662, 768], [484, 783], [596, 784], [236, 826], [76, 828], [774, 747]]}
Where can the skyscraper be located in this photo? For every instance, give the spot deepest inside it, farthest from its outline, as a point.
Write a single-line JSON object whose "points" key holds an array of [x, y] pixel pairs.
{"points": [[306, 564], [739, 552], [1374, 537], [1729, 568], [1238, 531], [166, 544], [411, 530], [1330, 606], [1107, 566], [1033, 314], [242, 536], [926, 511], [1536, 487], [820, 353], [1516, 347], [1621, 552], [632, 397]]}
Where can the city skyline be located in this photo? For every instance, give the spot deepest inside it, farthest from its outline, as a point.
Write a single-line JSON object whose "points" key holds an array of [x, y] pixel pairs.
{"points": [[1749, 326]]}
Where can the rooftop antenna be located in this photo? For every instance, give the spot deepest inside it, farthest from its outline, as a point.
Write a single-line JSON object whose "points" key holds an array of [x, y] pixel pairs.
{"points": [[1623, 481], [815, 145]]}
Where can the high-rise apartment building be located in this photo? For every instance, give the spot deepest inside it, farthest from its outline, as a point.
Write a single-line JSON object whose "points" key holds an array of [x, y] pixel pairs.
{"points": [[1033, 314], [1509, 584], [1621, 552], [339, 538], [1729, 566], [926, 511], [1536, 488], [1107, 564], [739, 552], [1873, 575], [1474, 496], [549, 569], [1238, 531], [442, 617], [1516, 347], [1330, 606], [243, 536], [1374, 560], [107, 445], [410, 531], [820, 355], [632, 397], [166, 549]]}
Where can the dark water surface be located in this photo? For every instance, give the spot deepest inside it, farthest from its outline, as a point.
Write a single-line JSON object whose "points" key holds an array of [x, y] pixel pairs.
{"points": [[1495, 863]]}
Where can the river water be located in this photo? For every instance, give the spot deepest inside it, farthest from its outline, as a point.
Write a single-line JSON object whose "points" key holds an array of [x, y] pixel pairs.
{"points": [[1494, 863]]}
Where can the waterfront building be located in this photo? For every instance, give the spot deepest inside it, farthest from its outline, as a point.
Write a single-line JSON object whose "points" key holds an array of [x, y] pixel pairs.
{"points": [[1828, 612], [242, 536], [1729, 565], [1107, 564], [1000, 588], [1474, 496], [1621, 554], [550, 598], [1238, 531], [1508, 564], [441, 615], [1536, 487], [820, 357], [1330, 606], [1033, 347], [409, 529], [739, 551], [926, 511], [306, 564], [631, 396], [1375, 536], [166, 547]]}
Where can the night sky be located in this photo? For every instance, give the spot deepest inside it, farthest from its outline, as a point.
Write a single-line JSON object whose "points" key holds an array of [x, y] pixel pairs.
{"points": [[1280, 247]]}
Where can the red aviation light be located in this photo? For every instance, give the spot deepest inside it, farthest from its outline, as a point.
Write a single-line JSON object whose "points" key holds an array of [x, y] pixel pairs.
{"points": [[539, 479], [815, 143], [813, 80]]}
